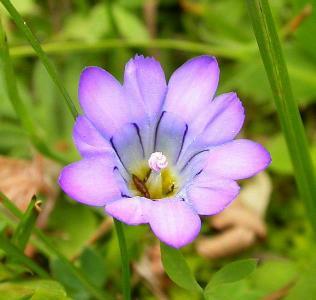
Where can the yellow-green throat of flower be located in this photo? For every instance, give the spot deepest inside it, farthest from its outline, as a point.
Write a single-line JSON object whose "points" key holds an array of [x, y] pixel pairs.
{"points": [[154, 179]]}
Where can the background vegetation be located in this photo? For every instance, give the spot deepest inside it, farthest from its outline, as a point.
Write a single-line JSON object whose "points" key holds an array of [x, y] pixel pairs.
{"points": [[75, 253]]}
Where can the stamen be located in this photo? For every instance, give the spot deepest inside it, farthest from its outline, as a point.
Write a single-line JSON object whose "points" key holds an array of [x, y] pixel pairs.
{"points": [[157, 161]]}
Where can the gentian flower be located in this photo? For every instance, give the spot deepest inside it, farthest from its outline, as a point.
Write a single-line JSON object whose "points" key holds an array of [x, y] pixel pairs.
{"points": [[160, 153]]}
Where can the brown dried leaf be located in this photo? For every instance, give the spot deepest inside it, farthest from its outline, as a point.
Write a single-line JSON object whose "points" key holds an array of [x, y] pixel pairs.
{"points": [[229, 242], [238, 215], [241, 224], [21, 179], [150, 268]]}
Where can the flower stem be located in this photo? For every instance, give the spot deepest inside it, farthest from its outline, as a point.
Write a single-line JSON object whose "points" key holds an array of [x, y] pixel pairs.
{"points": [[289, 115], [125, 261]]}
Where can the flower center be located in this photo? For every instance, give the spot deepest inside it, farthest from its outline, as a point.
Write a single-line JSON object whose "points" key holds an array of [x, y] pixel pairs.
{"points": [[155, 179]]}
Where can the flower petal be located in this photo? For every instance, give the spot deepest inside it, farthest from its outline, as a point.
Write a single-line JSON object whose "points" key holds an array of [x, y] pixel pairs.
{"points": [[170, 136], [128, 144], [220, 122], [90, 181], [145, 86], [238, 159], [102, 99], [132, 211], [209, 196], [88, 140], [192, 86], [174, 222]]}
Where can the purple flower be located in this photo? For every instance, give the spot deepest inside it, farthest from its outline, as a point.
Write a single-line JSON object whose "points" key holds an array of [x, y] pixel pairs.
{"points": [[160, 153]]}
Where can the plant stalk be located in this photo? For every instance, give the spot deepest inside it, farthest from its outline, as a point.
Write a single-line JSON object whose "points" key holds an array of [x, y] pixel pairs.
{"points": [[287, 108], [125, 260]]}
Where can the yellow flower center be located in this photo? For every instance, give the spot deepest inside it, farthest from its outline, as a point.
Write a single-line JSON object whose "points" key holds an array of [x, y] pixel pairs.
{"points": [[154, 185]]}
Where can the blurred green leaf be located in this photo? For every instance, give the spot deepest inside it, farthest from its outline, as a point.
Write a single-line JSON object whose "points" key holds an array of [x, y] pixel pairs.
{"points": [[177, 268], [22, 25], [237, 291], [93, 25], [71, 282], [305, 288], [283, 272], [33, 290], [24, 7], [6, 273], [92, 264], [231, 272], [128, 24], [72, 225], [281, 161]]}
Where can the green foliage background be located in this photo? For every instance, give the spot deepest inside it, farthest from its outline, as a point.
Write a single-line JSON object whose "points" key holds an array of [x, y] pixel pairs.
{"points": [[77, 33]]}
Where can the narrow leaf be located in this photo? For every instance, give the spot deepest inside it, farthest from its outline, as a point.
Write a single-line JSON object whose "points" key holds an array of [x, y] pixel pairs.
{"points": [[177, 268], [88, 286], [24, 230], [18, 255], [291, 122]]}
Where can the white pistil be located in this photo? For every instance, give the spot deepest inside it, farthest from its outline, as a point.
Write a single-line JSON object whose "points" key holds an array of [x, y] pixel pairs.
{"points": [[157, 161]]}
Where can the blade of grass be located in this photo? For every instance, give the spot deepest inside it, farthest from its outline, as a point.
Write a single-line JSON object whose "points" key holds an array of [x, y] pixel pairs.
{"points": [[25, 227], [17, 103], [235, 52], [12, 251], [291, 122], [90, 288], [125, 260], [21, 24]]}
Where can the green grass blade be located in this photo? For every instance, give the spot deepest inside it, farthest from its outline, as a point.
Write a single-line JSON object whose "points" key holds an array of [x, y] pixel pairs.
{"points": [[291, 122], [126, 281], [25, 227], [17, 103], [236, 52], [21, 24], [90, 288], [14, 252]]}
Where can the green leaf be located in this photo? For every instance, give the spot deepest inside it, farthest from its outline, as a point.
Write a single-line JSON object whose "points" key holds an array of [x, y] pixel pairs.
{"points": [[93, 25], [281, 161], [33, 290], [128, 24], [63, 274], [283, 272], [72, 226], [232, 272], [305, 288], [92, 264], [25, 227], [240, 290], [177, 268]]}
